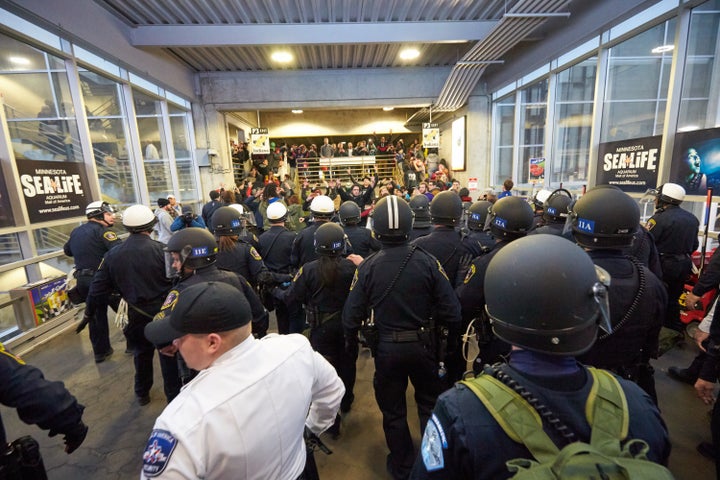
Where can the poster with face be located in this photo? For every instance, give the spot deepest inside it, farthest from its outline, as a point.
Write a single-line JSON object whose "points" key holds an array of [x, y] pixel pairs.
{"points": [[631, 165], [53, 190], [696, 161]]}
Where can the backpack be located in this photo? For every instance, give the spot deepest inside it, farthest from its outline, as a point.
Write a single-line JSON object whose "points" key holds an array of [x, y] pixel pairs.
{"points": [[602, 458]]}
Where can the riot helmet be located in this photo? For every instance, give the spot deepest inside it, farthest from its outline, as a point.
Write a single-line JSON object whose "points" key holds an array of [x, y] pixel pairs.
{"points": [[510, 218], [477, 214], [420, 206], [227, 221], [349, 213], [555, 209], [605, 217], [196, 246], [276, 212], [671, 193], [322, 207], [446, 208], [329, 239], [559, 316], [138, 218], [540, 198], [98, 210], [392, 219]]}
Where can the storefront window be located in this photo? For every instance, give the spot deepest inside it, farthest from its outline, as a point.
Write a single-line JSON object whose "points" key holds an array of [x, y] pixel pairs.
{"points": [[573, 112], [532, 112], [637, 85], [186, 173], [156, 162], [108, 134], [504, 138]]}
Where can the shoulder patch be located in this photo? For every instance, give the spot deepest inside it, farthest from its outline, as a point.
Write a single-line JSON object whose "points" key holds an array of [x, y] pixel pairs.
{"points": [[110, 236], [254, 253], [650, 224], [442, 270], [6, 353], [170, 300], [433, 443], [470, 273], [160, 447]]}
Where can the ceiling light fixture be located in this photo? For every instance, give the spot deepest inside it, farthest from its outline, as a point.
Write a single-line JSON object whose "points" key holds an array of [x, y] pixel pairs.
{"points": [[388, 109], [409, 54], [282, 57], [297, 111], [663, 49]]}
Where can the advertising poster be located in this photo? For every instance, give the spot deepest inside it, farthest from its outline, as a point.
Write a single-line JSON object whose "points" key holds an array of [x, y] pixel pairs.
{"points": [[6, 215], [537, 169], [259, 141], [50, 300], [696, 161], [631, 165], [430, 135], [53, 190]]}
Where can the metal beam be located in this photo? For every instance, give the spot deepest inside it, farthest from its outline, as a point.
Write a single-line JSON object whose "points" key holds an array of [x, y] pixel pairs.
{"points": [[297, 34]]}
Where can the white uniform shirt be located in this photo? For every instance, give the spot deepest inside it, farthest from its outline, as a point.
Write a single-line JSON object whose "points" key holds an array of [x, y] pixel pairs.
{"points": [[244, 416]]}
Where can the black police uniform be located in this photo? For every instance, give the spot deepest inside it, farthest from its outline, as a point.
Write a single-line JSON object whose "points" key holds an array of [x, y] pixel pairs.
{"points": [[418, 232], [675, 232], [484, 239], [643, 248], [471, 293], [88, 244], [38, 401], [136, 268], [303, 247], [275, 248], [553, 228], [634, 339], [474, 446], [449, 247], [245, 260], [362, 240], [323, 307], [409, 300]]}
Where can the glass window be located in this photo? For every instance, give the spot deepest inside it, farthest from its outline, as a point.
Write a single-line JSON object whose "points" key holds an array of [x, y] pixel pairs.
{"points": [[637, 85], [504, 137], [700, 80], [187, 183], [52, 239], [148, 111], [532, 113], [10, 248], [573, 112], [108, 134]]}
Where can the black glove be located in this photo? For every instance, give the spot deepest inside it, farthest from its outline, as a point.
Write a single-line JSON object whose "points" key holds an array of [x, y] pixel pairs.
{"points": [[463, 267], [74, 436], [352, 348]]}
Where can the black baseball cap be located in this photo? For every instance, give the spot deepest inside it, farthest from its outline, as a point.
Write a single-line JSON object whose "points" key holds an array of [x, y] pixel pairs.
{"points": [[208, 307]]}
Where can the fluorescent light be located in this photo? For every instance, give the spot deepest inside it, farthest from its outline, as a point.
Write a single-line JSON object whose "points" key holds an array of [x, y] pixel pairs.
{"points": [[688, 128], [19, 60], [663, 49], [388, 109], [297, 111], [409, 54], [282, 57]]}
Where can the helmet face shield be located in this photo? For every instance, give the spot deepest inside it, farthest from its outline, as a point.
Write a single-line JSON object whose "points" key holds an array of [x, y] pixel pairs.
{"points": [[649, 196]]}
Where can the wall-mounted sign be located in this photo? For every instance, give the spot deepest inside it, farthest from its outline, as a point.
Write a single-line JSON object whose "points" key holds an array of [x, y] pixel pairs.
{"points": [[537, 169], [696, 161], [430, 135], [631, 165], [53, 190], [259, 141]]}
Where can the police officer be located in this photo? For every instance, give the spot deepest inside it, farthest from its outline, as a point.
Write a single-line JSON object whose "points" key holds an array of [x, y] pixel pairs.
{"points": [[88, 244], [604, 222], [476, 216], [233, 253], [555, 212], [249, 231], [675, 231], [362, 241], [323, 286], [194, 252], [303, 249], [447, 244], [420, 206], [409, 298], [509, 218], [275, 247], [136, 268], [538, 204], [38, 401], [464, 440]]}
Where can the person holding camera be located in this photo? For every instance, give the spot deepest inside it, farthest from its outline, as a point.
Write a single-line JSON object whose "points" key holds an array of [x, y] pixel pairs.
{"points": [[187, 219]]}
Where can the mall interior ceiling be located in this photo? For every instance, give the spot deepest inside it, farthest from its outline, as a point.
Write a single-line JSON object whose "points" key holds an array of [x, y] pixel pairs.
{"points": [[473, 40]]}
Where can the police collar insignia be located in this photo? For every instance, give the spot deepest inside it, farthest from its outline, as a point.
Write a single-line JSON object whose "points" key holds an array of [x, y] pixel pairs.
{"points": [[160, 447]]}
